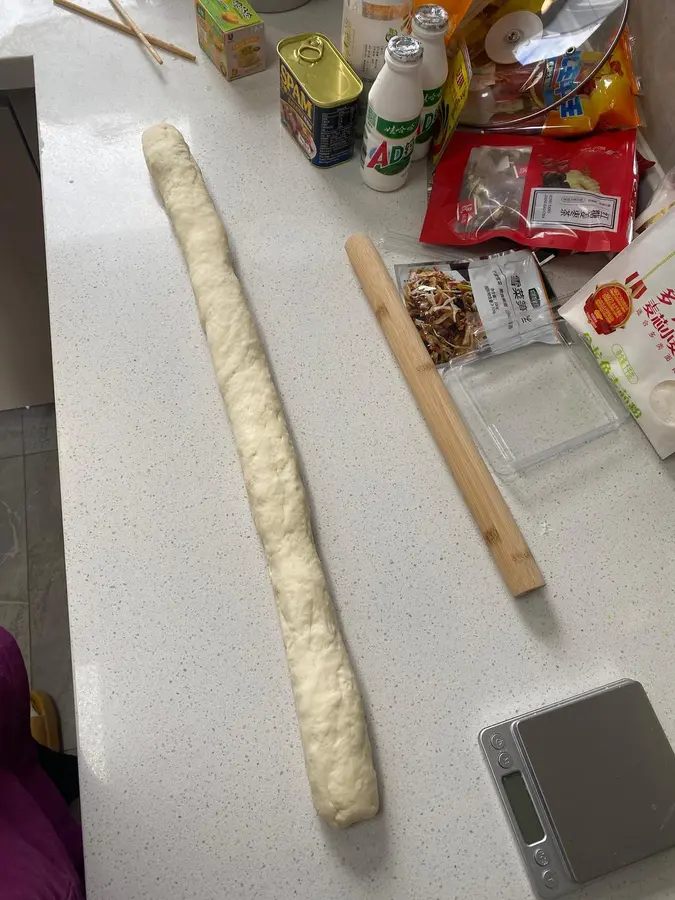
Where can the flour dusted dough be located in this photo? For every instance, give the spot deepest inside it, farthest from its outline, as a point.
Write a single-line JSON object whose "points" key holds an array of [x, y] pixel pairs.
{"points": [[330, 712]]}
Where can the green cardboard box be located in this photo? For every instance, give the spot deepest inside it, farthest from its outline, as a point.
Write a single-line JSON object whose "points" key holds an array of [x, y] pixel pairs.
{"points": [[232, 35]]}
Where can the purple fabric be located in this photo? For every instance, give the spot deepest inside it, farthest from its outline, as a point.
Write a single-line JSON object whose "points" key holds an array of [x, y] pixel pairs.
{"points": [[40, 842]]}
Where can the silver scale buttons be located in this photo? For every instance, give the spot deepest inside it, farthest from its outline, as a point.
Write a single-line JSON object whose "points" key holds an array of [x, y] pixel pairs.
{"points": [[541, 857]]}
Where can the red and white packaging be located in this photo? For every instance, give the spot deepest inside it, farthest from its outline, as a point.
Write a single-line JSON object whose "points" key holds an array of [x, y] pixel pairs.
{"points": [[539, 191], [626, 315]]}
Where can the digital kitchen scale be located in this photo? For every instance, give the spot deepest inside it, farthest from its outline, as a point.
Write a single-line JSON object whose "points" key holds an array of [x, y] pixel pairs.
{"points": [[588, 785]]}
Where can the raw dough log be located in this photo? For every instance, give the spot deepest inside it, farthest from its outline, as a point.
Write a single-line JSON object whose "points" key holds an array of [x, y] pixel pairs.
{"points": [[329, 708]]}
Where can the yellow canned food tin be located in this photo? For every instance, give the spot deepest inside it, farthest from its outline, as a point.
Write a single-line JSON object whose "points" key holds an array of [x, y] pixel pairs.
{"points": [[319, 93]]}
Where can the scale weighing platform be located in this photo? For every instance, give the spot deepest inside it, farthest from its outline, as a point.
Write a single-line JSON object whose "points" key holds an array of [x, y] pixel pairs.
{"points": [[587, 784]]}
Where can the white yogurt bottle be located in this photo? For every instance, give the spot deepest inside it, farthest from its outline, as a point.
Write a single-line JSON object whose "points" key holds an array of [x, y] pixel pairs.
{"points": [[393, 116], [429, 26]]}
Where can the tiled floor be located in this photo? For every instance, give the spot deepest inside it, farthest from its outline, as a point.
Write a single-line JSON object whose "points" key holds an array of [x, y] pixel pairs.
{"points": [[33, 603]]}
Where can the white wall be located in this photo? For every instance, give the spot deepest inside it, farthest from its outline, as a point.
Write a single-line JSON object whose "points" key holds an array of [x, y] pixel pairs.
{"points": [[653, 25]]}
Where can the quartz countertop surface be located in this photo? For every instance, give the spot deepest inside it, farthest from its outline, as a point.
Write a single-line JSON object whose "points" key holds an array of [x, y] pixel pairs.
{"points": [[193, 783]]}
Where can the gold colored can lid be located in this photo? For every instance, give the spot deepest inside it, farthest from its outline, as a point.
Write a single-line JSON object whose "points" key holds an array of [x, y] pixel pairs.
{"points": [[323, 73]]}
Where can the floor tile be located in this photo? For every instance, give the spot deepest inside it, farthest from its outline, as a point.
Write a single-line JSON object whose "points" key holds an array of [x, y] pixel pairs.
{"points": [[11, 433], [39, 429], [13, 577], [14, 617], [51, 667], [50, 638], [44, 530]]}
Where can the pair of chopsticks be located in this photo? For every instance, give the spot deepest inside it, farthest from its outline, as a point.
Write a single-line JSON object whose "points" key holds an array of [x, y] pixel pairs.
{"points": [[129, 28]]}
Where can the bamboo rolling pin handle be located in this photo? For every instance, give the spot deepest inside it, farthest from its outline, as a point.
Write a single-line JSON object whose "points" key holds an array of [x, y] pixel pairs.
{"points": [[481, 494]]}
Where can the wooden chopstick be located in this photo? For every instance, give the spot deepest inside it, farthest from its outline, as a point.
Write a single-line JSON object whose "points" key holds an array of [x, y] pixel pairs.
{"points": [[120, 26], [484, 499], [137, 31]]}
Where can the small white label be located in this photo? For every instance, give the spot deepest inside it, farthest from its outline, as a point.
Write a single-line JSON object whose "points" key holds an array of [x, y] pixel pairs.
{"points": [[511, 300], [580, 210]]}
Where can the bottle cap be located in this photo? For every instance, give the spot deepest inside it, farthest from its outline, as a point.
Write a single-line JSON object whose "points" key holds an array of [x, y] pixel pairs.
{"points": [[405, 49], [431, 19]]}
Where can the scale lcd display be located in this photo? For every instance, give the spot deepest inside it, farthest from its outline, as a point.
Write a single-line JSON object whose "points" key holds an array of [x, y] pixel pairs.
{"points": [[523, 809]]}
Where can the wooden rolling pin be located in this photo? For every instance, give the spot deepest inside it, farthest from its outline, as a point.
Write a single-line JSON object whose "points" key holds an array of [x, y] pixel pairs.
{"points": [[482, 496]]}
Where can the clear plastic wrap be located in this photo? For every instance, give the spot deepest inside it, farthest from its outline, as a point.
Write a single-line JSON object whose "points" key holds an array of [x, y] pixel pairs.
{"points": [[661, 203]]}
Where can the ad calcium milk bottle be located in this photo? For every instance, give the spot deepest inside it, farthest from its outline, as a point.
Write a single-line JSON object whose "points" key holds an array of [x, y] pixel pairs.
{"points": [[429, 26], [393, 116]]}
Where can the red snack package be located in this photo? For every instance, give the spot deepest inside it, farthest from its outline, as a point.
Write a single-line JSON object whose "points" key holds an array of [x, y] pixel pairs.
{"points": [[538, 191]]}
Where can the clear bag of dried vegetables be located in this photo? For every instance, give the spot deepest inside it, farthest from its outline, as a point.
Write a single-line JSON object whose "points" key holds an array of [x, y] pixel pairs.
{"points": [[459, 307], [541, 192]]}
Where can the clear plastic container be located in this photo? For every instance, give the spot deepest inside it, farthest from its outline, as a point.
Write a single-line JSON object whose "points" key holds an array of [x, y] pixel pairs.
{"points": [[531, 403]]}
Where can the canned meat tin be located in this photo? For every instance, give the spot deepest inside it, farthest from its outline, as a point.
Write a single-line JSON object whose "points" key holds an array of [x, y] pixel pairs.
{"points": [[319, 93]]}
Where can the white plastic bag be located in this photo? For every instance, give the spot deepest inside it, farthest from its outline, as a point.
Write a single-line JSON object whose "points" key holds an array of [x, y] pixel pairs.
{"points": [[627, 317], [662, 202]]}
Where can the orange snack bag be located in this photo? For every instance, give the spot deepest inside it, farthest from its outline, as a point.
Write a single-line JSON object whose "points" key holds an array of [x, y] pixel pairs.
{"points": [[606, 103]]}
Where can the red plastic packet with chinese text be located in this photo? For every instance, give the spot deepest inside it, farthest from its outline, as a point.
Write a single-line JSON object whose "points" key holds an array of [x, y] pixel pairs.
{"points": [[541, 192]]}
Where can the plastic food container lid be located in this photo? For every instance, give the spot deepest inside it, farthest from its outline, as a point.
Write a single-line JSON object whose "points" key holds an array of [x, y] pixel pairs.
{"points": [[534, 402]]}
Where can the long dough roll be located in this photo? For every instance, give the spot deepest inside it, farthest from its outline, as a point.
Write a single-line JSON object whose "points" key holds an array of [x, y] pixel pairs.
{"points": [[330, 711]]}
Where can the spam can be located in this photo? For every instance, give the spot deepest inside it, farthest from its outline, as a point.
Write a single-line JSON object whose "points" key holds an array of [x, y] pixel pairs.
{"points": [[319, 94]]}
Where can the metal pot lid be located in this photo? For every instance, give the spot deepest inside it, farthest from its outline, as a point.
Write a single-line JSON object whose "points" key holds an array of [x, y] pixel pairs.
{"points": [[522, 42]]}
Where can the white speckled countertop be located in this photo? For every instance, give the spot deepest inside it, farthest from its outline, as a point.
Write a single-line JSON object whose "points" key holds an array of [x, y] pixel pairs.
{"points": [[192, 773]]}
